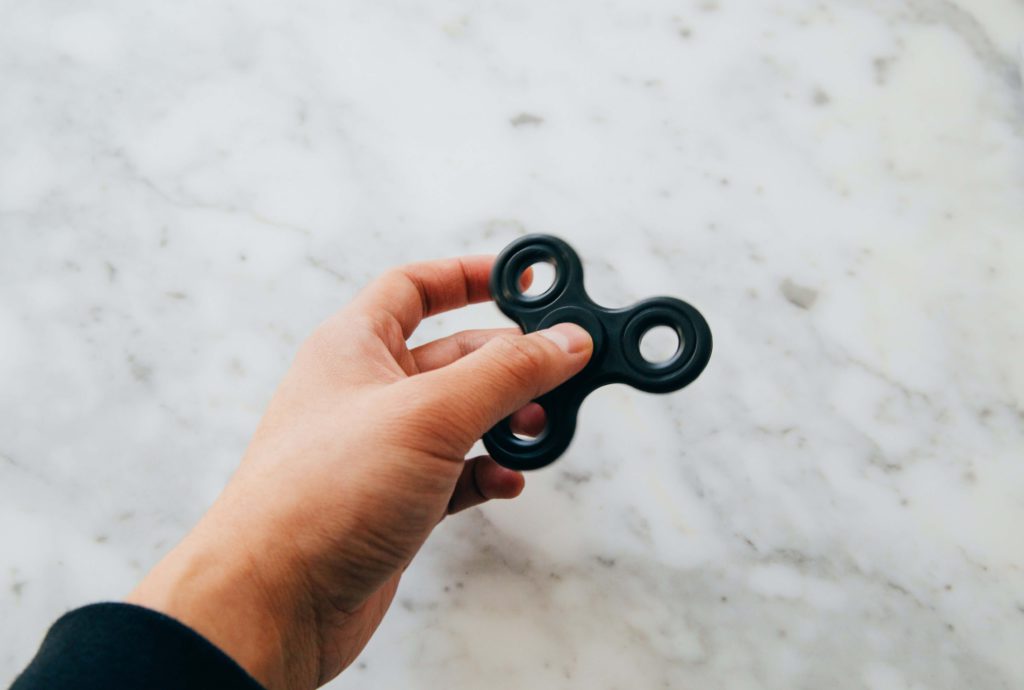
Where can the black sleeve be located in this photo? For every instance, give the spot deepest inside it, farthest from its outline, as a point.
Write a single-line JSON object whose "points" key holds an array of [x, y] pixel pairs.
{"points": [[124, 646]]}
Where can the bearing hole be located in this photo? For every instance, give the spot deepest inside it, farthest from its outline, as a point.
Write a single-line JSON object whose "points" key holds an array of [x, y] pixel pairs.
{"points": [[536, 279], [659, 344], [529, 422]]}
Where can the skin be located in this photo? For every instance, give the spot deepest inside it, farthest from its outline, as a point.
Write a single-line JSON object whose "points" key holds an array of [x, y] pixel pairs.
{"points": [[361, 453]]}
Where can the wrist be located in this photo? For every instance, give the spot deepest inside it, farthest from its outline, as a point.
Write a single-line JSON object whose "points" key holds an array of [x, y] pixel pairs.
{"points": [[244, 596]]}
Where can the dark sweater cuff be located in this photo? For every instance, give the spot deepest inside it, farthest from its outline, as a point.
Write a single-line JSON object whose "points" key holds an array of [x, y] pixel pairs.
{"points": [[125, 646]]}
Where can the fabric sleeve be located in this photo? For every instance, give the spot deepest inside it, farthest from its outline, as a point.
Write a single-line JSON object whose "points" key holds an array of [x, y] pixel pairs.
{"points": [[115, 645]]}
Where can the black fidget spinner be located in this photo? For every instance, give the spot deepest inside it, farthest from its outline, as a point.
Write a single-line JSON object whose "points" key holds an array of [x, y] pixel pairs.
{"points": [[616, 334]]}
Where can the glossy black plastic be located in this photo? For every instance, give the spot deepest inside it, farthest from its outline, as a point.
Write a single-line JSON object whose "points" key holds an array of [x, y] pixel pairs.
{"points": [[616, 333]]}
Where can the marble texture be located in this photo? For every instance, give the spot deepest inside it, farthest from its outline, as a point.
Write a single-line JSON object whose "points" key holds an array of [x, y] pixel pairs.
{"points": [[187, 188]]}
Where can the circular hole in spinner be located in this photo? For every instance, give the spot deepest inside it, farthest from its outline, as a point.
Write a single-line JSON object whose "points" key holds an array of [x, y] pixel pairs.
{"points": [[660, 343], [529, 424], [542, 278]]}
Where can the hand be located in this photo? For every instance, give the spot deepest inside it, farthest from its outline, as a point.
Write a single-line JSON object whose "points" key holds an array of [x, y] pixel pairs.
{"points": [[359, 456]]}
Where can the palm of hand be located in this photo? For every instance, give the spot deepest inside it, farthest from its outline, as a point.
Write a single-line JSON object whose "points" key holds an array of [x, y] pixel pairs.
{"points": [[356, 368]]}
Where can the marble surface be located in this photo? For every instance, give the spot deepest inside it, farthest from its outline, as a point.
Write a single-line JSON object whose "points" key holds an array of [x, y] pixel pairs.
{"points": [[187, 188]]}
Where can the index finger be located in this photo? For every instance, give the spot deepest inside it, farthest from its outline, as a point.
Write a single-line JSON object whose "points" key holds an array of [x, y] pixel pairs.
{"points": [[415, 291]]}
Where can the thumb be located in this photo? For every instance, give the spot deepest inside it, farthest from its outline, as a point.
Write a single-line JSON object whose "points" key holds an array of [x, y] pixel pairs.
{"points": [[477, 391]]}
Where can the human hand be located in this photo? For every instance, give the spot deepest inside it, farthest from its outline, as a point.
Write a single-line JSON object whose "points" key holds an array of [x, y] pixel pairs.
{"points": [[359, 456]]}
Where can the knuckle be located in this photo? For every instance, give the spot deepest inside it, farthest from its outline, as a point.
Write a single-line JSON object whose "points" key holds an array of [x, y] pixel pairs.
{"points": [[387, 328], [334, 334], [520, 358], [472, 340], [466, 342], [405, 280], [394, 274]]}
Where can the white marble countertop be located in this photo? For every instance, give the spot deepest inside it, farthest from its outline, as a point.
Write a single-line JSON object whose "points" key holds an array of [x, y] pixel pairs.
{"points": [[187, 188]]}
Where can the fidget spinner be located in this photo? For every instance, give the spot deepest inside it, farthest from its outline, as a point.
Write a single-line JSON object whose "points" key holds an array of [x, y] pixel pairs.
{"points": [[616, 333]]}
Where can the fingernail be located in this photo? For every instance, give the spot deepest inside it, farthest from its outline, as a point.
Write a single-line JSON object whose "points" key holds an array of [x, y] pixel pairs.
{"points": [[568, 337]]}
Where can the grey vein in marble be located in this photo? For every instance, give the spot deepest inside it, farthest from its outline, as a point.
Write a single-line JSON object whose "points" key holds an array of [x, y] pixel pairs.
{"points": [[187, 189]]}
